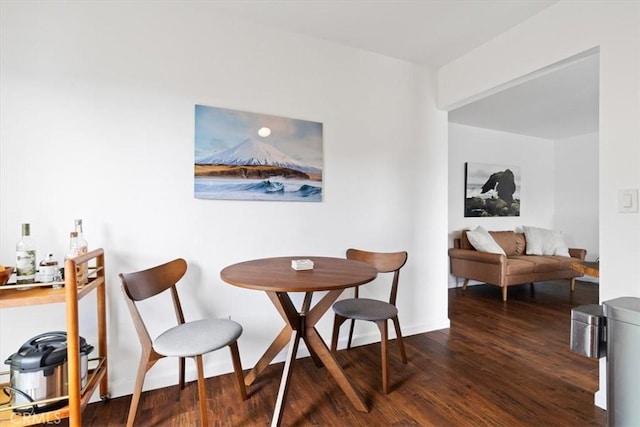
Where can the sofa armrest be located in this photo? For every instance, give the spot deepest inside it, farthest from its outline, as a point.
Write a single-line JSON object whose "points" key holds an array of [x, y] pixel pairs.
{"points": [[474, 265], [581, 254], [471, 255]]}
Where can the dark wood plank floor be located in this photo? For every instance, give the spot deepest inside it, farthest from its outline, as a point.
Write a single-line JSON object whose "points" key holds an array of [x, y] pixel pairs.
{"points": [[498, 365]]}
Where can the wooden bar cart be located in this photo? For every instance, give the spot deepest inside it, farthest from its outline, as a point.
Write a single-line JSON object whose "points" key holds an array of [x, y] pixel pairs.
{"points": [[70, 294]]}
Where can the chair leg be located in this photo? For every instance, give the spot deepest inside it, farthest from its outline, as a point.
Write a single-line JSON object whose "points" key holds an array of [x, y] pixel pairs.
{"points": [[237, 368], [384, 339], [202, 393], [143, 367], [181, 372], [403, 354], [353, 322], [573, 284], [504, 294], [337, 322], [464, 284]]}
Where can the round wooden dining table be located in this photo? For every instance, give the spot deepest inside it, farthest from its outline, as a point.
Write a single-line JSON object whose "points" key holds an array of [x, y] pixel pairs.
{"points": [[278, 279]]}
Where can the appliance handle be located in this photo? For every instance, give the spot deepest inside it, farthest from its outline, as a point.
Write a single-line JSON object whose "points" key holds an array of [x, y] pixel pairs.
{"points": [[38, 338]]}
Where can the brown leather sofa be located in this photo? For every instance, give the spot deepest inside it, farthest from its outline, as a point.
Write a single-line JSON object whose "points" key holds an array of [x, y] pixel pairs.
{"points": [[514, 268]]}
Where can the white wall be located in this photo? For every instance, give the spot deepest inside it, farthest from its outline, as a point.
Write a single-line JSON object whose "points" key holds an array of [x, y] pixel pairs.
{"points": [[565, 29], [576, 192], [535, 158], [97, 110]]}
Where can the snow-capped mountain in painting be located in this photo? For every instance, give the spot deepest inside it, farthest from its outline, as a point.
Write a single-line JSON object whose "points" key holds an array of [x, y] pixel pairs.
{"points": [[256, 153]]}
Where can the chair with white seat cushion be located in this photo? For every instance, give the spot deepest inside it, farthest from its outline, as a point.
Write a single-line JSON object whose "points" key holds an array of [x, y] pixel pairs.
{"points": [[373, 310], [187, 339]]}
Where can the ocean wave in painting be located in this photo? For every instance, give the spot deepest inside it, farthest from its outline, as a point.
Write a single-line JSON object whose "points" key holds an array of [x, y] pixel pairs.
{"points": [[233, 189]]}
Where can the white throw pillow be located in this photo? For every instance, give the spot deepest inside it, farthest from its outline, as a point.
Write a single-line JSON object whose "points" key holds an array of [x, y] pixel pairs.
{"points": [[541, 241], [483, 242]]}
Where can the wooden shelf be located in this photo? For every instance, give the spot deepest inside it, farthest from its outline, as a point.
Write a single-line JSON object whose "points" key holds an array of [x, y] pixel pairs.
{"points": [[97, 376], [41, 294]]}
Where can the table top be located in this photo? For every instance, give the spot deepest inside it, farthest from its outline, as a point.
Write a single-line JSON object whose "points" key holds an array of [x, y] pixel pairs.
{"points": [[276, 274]]}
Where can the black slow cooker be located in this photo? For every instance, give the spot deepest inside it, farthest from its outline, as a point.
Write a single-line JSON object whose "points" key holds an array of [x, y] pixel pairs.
{"points": [[39, 371]]}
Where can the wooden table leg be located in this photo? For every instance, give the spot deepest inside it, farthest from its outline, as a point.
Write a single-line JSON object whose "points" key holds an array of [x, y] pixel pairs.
{"points": [[276, 346], [322, 306], [287, 311], [286, 376], [304, 312], [296, 321], [317, 345], [301, 325], [321, 349]]}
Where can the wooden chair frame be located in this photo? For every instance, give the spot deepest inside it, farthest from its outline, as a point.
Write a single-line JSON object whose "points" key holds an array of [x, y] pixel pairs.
{"points": [[390, 262], [145, 284]]}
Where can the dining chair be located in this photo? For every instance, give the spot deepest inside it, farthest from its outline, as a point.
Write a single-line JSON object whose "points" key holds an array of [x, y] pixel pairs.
{"points": [[186, 340], [373, 310]]}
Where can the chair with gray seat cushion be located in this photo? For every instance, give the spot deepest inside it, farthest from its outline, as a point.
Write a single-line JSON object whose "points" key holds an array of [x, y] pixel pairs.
{"points": [[187, 339], [372, 310]]}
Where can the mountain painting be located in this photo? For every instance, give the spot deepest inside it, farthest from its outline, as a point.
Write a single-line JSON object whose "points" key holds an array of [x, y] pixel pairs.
{"points": [[249, 156]]}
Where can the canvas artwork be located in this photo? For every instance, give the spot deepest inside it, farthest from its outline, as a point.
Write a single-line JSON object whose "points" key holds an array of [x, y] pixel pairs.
{"points": [[248, 156], [491, 190]]}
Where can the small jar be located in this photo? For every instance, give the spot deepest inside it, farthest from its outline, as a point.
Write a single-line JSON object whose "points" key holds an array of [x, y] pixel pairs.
{"points": [[48, 269]]}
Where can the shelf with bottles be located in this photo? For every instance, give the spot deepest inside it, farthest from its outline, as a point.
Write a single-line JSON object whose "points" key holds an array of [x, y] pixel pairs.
{"points": [[46, 273], [14, 295]]}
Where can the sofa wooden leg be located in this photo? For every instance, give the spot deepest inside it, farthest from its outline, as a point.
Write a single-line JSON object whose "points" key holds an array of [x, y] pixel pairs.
{"points": [[504, 294], [573, 284], [464, 284]]}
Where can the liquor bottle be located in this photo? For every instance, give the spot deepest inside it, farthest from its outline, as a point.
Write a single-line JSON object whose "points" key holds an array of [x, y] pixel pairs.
{"points": [[48, 269], [82, 243], [26, 258], [83, 247], [74, 251]]}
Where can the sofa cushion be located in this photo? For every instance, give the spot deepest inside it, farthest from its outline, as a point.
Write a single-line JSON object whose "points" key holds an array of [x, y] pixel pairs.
{"points": [[521, 244], [562, 260], [544, 264], [547, 264], [464, 241], [506, 240], [482, 241], [519, 265], [511, 243], [541, 241]]}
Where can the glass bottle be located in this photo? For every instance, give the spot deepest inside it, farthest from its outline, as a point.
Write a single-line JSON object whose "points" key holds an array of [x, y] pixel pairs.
{"points": [[74, 251], [83, 248], [26, 258], [48, 268]]}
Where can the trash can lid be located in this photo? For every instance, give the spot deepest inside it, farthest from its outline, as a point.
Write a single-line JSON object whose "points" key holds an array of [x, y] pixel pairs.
{"points": [[624, 309], [591, 314]]}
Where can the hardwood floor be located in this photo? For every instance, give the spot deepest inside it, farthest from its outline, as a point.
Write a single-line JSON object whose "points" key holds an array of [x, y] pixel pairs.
{"points": [[498, 365]]}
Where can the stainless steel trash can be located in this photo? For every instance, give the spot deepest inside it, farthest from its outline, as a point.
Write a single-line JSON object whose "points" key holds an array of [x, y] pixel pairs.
{"points": [[588, 331], [623, 361]]}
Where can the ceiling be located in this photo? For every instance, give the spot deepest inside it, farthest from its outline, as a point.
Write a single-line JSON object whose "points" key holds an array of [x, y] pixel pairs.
{"points": [[554, 105], [434, 32]]}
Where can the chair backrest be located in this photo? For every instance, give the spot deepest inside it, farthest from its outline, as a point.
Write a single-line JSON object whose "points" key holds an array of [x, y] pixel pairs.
{"points": [[384, 262], [144, 284], [147, 283]]}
